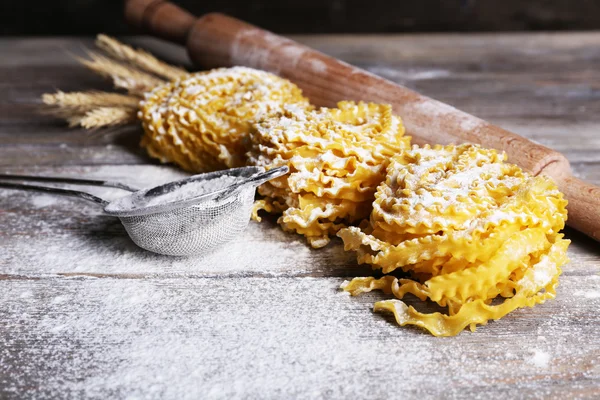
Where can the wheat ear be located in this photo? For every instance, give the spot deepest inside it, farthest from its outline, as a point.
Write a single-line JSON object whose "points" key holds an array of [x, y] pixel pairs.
{"points": [[103, 116], [125, 77], [85, 101], [138, 58]]}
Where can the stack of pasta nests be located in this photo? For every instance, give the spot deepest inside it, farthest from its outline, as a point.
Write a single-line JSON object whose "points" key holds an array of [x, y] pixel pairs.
{"points": [[468, 227], [337, 157], [465, 226]]}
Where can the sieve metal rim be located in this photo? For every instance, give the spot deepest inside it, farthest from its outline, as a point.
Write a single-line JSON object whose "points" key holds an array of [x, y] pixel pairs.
{"points": [[116, 208]]}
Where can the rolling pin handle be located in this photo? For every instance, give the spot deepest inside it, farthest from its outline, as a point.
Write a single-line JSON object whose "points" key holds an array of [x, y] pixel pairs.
{"points": [[584, 205], [160, 18]]}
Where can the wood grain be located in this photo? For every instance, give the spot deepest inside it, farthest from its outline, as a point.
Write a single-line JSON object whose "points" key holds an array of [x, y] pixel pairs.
{"points": [[87, 314], [276, 338]]}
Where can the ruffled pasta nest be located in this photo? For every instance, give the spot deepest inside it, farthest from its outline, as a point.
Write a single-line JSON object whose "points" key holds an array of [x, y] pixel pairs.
{"points": [[467, 228], [337, 158], [199, 120]]}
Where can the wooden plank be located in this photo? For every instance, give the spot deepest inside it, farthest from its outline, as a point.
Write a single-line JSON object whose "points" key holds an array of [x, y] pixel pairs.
{"points": [[278, 337], [481, 48], [64, 154], [492, 76], [587, 171], [56, 51]]}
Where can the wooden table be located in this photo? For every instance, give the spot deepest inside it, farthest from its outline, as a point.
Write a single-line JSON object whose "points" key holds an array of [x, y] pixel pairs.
{"points": [[85, 313]]}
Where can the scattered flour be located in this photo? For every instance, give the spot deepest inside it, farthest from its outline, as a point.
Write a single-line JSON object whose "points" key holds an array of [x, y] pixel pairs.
{"points": [[540, 359], [244, 53], [409, 74], [41, 200], [318, 65], [259, 337], [595, 294], [439, 113], [293, 53]]}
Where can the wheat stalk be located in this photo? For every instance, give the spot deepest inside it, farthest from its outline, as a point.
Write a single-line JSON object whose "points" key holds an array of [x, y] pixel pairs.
{"points": [[138, 58], [125, 77], [67, 114], [85, 101], [95, 109], [103, 116]]}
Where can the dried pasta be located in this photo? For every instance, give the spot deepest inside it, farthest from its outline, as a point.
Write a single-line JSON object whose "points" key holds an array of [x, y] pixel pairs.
{"points": [[200, 120], [467, 227], [337, 157]]}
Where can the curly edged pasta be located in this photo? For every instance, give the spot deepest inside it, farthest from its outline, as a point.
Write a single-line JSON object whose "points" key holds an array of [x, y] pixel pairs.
{"points": [[467, 227], [337, 157], [200, 120]]}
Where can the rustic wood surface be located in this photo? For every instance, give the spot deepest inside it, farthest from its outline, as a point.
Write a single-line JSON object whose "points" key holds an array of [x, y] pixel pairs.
{"points": [[84, 313]]}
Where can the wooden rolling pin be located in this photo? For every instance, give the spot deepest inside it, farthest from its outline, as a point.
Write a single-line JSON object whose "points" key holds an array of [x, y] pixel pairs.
{"points": [[216, 40]]}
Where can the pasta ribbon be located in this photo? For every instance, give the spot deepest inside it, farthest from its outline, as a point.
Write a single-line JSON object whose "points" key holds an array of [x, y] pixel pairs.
{"points": [[467, 228], [337, 158]]}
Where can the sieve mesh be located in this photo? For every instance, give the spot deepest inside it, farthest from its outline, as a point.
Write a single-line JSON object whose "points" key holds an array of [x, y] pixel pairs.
{"points": [[193, 229]]}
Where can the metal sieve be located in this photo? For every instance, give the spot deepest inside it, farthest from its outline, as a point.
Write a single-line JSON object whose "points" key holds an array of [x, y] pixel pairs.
{"points": [[178, 226]]}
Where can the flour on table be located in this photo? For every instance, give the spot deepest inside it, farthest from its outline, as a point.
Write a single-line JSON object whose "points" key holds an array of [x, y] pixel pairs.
{"points": [[595, 294], [539, 358], [41, 200], [412, 74]]}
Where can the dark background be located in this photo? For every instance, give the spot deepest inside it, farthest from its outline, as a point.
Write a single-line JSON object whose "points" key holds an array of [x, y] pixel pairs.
{"points": [[76, 17]]}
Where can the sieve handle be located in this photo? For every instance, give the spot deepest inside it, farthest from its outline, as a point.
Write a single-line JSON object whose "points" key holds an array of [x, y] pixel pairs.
{"points": [[63, 192], [257, 179], [72, 181], [262, 177]]}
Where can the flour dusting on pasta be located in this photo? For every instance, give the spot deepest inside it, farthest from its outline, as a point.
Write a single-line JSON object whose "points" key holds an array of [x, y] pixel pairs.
{"points": [[337, 157], [200, 120]]}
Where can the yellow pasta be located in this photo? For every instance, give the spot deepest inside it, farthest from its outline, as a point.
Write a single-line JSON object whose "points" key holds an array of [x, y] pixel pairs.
{"points": [[467, 227], [200, 120], [337, 157]]}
